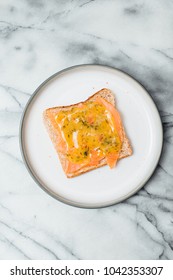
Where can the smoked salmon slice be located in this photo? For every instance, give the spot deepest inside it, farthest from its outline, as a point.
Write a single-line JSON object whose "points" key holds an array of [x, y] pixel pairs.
{"points": [[89, 134]]}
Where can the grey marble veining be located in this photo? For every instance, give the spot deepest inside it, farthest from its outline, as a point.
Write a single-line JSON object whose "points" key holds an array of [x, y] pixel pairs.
{"points": [[38, 38]]}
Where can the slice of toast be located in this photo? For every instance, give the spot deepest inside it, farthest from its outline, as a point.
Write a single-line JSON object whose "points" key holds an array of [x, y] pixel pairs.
{"points": [[54, 133]]}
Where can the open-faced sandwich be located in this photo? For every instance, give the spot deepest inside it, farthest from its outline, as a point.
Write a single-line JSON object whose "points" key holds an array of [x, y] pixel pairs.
{"points": [[88, 134]]}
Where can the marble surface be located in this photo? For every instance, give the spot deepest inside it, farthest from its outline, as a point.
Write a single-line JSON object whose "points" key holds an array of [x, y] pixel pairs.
{"points": [[38, 38]]}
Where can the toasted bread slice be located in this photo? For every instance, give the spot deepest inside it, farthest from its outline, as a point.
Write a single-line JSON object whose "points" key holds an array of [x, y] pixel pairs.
{"points": [[49, 116]]}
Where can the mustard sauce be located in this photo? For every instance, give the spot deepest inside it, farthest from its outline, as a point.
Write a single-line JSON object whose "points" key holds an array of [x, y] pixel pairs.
{"points": [[87, 128]]}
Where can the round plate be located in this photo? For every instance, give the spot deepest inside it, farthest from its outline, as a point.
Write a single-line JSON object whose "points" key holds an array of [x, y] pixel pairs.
{"points": [[103, 186]]}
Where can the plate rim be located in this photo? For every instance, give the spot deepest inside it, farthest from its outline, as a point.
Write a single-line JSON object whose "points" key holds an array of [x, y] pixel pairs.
{"points": [[52, 193]]}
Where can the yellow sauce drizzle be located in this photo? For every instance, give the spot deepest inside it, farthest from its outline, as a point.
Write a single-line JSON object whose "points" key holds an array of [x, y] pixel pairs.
{"points": [[86, 128]]}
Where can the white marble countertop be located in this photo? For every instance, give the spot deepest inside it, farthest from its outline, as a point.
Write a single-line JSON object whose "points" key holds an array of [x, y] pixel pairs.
{"points": [[38, 38]]}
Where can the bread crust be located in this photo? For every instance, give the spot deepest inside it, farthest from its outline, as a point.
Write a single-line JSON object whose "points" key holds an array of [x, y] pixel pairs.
{"points": [[54, 134]]}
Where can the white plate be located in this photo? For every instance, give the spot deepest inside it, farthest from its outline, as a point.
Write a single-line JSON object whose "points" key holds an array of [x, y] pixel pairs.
{"points": [[103, 186]]}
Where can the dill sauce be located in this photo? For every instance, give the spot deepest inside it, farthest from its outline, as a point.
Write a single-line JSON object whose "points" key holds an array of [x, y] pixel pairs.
{"points": [[86, 128]]}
